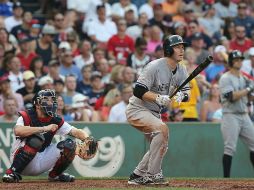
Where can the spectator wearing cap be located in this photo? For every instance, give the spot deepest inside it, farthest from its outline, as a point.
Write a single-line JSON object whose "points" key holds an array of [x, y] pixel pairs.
{"points": [[63, 47], [16, 19], [97, 88], [241, 42], [45, 82], [243, 19], [158, 15], [130, 18], [26, 55], [44, 46], [248, 64], [86, 56], [173, 7], [120, 45], [147, 8], [84, 85], [15, 74], [30, 88], [138, 59], [35, 29], [117, 112], [135, 31], [6, 8], [225, 9], [37, 68], [53, 70], [6, 92], [95, 28], [194, 28], [119, 8], [103, 67], [10, 110], [25, 26], [210, 22], [218, 65], [176, 115]]}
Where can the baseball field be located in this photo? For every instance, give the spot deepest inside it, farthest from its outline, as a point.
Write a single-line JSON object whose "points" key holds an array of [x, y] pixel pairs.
{"points": [[121, 183]]}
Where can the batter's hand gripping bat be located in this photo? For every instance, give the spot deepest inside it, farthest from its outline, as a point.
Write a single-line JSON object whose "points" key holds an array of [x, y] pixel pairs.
{"points": [[194, 73]]}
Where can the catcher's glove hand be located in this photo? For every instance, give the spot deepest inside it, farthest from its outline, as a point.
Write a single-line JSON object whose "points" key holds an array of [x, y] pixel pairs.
{"points": [[87, 148]]}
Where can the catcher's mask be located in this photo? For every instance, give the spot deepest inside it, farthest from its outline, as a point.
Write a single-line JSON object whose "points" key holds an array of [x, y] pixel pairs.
{"points": [[46, 99]]}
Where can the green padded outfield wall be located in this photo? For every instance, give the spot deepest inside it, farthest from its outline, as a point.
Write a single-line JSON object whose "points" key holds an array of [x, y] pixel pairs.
{"points": [[195, 150]]}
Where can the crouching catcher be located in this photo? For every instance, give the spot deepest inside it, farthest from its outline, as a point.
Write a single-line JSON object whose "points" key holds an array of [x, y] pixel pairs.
{"points": [[33, 153]]}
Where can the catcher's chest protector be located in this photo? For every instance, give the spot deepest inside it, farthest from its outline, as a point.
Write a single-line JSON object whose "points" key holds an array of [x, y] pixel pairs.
{"points": [[30, 119]]}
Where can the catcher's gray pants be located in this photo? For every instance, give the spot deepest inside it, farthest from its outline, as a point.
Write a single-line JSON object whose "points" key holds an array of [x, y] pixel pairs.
{"points": [[234, 126], [157, 133]]}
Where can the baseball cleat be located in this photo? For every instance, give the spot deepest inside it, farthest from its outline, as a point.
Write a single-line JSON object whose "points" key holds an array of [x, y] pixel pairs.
{"points": [[139, 180], [158, 179], [64, 177], [12, 177]]}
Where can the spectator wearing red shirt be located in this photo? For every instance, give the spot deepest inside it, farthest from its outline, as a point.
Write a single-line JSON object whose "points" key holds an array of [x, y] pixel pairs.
{"points": [[120, 45], [25, 55], [240, 42]]}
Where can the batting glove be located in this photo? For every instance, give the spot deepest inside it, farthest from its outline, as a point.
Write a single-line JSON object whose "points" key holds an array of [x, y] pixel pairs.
{"points": [[163, 100], [179, 97]]}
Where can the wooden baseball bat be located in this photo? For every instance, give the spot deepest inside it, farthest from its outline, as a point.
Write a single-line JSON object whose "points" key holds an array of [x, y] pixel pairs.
{"points": [[194, 73]]}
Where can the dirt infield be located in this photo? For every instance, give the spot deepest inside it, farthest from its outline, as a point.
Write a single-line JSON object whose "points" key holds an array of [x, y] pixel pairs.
{"points": [[92, 184]]}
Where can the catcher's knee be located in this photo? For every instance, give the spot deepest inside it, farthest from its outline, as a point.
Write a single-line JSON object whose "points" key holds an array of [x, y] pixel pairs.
{"points": [[35, 141], [67, 147]]}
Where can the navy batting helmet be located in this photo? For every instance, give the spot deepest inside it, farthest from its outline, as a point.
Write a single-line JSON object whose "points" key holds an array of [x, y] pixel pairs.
{"points": [[171, 41], [235, 54], [42, 98]]}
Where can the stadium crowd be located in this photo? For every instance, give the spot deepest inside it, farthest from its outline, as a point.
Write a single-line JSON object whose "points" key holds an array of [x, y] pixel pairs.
{"points": [[91, 52]]}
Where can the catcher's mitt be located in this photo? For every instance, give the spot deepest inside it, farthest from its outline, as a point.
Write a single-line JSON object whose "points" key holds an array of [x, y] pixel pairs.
{"points": [[87, 148]]}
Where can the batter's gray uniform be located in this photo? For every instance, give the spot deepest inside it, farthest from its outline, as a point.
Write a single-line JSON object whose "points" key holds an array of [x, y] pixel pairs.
{"points": [[157, 77], [235, 120]]}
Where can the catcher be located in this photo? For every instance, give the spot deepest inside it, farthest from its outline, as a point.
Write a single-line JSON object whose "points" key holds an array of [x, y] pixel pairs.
{"points": [[33, 153]]}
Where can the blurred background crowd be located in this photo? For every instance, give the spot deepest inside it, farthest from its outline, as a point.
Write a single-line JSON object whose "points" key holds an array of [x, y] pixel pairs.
{"points": [[92, 51]]}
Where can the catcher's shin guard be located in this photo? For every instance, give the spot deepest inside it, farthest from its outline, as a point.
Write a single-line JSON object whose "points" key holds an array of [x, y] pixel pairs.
{"points": [[25, 154], [67, 148]]}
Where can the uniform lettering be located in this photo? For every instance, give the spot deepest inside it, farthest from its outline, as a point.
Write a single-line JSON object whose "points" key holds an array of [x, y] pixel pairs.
{"points": [[163, 87]]}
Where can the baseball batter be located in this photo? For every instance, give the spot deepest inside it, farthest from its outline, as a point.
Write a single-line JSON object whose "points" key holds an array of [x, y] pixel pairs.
{"points": [[32, 152], [151, 93], [235, 90]]}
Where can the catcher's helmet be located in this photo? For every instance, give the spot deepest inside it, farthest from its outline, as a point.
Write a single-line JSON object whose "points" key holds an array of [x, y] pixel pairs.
{"points": [[235, 54], [171, 41], [46, 99]]}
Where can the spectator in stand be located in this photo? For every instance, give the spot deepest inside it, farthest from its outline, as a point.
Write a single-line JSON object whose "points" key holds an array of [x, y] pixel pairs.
{"points": [[197, 44], [176, 115], [218, 65], [159, 53], [44, 46], [10, 110], [103, 68], [67, 67], [147, 8], [128, 76], [23, 28], [173, 7], [120, 45], [86, 56], [16, 19], [9, 48], [70, 84], [197, 7], [84, 86], [225, 9], [53, 70], [210, 22], [30, 88], [117, 112], [243, 19], [35, 29], [135, 31], [73, 39], [59, 86], [1, 58], [156, 39], [118, 9], [15, 74], [158, 15], [188, 15], [98, 54], [130, 17], [36, 67], [96, 27], [46, 82], [97, 89], [138, 59], [61, 111], [180, 28], [6, 92], [25, 55], [211, 105], [240, 42], [116, 74], [5, 8], [248, 64], [229, 30]]}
